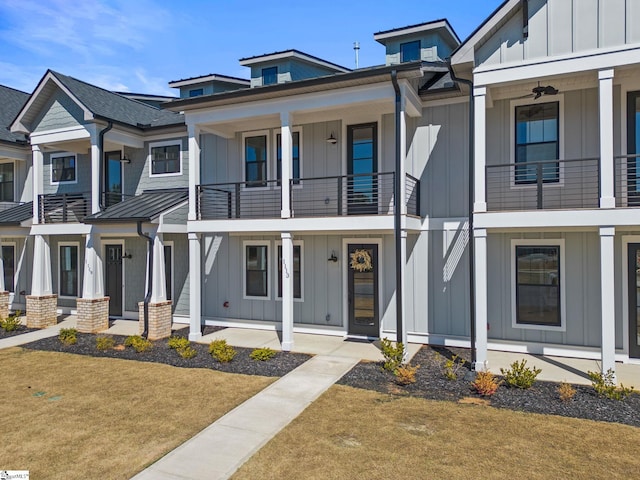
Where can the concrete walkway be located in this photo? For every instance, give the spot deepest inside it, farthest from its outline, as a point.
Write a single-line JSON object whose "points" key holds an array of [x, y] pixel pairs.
{"points": [[17, 340], [220, 449]]}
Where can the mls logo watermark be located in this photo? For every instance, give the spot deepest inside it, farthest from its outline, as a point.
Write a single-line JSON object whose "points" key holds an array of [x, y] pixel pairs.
{"points": [[14, 474]]}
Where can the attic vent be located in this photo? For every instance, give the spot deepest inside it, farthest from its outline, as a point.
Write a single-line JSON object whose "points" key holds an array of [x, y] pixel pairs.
{"points": [[525, 18]]}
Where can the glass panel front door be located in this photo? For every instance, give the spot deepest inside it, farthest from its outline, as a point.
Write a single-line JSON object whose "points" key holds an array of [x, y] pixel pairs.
{"points": [[112, 179], [113, 283], [634, 300], [363, 290]]}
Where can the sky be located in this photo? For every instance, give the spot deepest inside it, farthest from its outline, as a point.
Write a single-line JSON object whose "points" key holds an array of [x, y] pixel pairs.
{"points": [[141, 45]]}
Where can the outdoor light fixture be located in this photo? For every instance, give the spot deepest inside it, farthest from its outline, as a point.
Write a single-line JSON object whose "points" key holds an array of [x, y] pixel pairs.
{"points": [[126, 255], [124, 159], [332, 139], [333, 258]]}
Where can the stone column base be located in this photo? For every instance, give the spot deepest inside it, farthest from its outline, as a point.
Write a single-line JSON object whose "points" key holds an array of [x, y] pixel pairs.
{"points": [[42, 311], [93, 314], [4, 305], [160, 319]]}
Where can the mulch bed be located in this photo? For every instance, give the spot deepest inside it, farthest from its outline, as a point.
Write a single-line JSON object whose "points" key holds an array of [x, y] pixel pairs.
{"points": [[19, 331], [541, 398]]}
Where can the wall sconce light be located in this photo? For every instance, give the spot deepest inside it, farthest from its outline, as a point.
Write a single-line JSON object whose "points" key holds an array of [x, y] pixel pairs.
{"points": [[333, 258], [126, 255], [332, 139], [125, 159]]}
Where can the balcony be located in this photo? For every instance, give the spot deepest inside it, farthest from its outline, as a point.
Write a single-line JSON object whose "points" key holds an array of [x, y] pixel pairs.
{"points": [[361, 194], [63, 207], [627, 180]]}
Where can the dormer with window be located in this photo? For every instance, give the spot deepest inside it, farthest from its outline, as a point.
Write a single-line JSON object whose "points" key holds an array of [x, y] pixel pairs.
{"points": [[287, 66], [428, 42], [208, 85]]}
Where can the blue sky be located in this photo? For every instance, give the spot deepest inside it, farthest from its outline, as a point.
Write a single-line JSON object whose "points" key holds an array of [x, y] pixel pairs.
{"points": [[141, 45]]}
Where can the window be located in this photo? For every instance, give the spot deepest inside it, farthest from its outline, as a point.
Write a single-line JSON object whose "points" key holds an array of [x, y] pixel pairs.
{"points": [[538, 285], [295, 174], [410, 51], [166, 159], [8, 257], [68, 270], [196, 92], [537, 140], [63, 168], [6, 182], [168, 271], [269, 76], [297, 270], [255, 161], [256, 263]]}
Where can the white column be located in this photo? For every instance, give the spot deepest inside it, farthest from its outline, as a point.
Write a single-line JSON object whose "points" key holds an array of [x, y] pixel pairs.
{"points": [[287, 291], [41, 279], [159, 287], [287, 162], [93, 277], [194, 169], [402, 197], [195, 287], [2, 285], [403, 272], [607, 169], [38, 161], [480, 148], [480, 257], [95, 175], [607, 292]]}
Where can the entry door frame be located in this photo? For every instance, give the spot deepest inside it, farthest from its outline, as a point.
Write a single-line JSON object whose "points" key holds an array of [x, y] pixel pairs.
{"points": [[345, 278], [120, 242], [626, 240]]}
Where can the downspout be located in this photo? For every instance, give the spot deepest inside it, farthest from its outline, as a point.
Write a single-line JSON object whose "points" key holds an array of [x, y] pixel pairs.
{"points": [[472, 286], [397, 180], [101, 168], [147, 297]]}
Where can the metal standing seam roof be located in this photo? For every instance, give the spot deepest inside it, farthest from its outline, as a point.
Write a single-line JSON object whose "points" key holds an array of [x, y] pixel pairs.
{"points": [[14, 216], [141, 208], [11, 102]]}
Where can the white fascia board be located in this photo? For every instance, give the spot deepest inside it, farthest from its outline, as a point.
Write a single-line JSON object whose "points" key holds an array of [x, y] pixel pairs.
{"points": [[380, 37], [561, 65], [209, 78], [60, 135], [124, 138], [558, 218], [60, 229], [15, 153]]}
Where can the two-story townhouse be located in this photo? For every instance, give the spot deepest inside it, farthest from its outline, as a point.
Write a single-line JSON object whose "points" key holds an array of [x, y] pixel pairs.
{"points": [[110, 177], [556, 223], [308, 210], [15, 205]]}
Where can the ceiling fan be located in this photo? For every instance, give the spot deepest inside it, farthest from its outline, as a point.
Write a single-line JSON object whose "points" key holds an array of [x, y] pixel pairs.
{"points": [[539, 91]]}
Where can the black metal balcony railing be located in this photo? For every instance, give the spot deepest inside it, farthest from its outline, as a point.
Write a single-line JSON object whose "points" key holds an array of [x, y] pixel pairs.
{"points": [[413, 195], [553, 184], [627, 180], [239, 200], [64, 207]]}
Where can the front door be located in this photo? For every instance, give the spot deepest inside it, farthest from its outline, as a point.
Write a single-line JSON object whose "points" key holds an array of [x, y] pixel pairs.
{"points": [[363, 290], [634, 300], [113, 280], [362, 168], [112, 178]]}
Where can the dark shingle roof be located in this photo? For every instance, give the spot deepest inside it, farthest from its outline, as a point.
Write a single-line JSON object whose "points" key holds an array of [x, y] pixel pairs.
{"points": [[11, 102], [141, 208], [438, 83], [112, 106], [14, 216]]}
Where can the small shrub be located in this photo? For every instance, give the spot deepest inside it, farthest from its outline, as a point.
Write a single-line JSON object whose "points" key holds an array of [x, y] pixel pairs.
{"points": [[449, 367], [519, 375], [393, 355], [485, 384], [138, 343], [11, 323], [262, 354], [604, 384], [176, 343], [221, 351], [68, 336], [105, 343], [406, 374], [566, 391], [187, 352]]}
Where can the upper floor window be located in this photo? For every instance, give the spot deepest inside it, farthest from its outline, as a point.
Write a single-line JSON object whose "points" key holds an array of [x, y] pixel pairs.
{"points": [[537, 132], [410, 51], [6, 182], [255, 161], [269, 75], [295, 174], [166, 158], [196, 92], [63, 168]]}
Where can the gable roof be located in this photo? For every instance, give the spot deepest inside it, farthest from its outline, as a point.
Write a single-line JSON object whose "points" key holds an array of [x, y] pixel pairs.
{"points": [[11, 102], [14, 216], [442, 25], [97, 103]]}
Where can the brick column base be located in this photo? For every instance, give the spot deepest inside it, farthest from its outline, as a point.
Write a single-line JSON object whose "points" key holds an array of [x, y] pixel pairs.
{"points": [[42, 311], [4, 305], [160, 319], [93, 314]]}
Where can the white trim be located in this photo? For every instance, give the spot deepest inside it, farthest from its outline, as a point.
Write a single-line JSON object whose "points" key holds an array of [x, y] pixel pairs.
{"points": [[53, 156], [299, 243], [276, 132], [15, 183], [256, 133], [170, 243], [261, 243], [121, 242], [166, 143], [13, 244], [563, 313], [69, 244]]}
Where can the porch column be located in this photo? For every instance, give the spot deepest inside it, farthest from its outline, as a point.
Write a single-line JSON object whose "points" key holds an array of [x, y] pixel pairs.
{"points": [[159, 308], [480, 148], [159, 287], [4, 294], [95, 174], [480, 257], [607, 292], [607, 169], [38, 161], [402, 194], [195, 287], [287, 163], [93, 307], [194, 169], [403, 296], [287, 291], [42, 303]]}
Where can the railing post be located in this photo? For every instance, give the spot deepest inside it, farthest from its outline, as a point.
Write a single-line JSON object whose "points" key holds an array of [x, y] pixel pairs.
{"points": [[40, 209], [539, 184], [339, 196], [291, 209], [237, 190], [64, 208], [229, 203], [416, 188]]}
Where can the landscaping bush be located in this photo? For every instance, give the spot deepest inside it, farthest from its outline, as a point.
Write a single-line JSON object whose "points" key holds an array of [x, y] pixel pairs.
{"points": [[519, 375], [68, 336], [187, 352], [262, 354], [449, 366], [566, 391], [605, 386], [138, 343], [221, 351], [104, 343], [406, 374], [485, 384], [176, 343], [11, 323], [393, 355]]}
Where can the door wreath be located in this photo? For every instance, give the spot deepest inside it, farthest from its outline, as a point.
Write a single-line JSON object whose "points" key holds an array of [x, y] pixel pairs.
{"points": [[361, 261]]}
